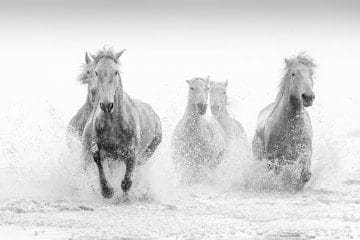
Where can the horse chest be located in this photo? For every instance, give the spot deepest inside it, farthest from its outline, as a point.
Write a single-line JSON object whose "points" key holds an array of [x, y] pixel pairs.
{"points": [[192, 145], [113, 139], [288, 141]]}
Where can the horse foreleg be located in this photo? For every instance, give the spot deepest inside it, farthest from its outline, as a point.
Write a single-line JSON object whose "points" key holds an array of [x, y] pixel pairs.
{"points": [[130, 163], [305, 174], [305, 162], [106, 190]]}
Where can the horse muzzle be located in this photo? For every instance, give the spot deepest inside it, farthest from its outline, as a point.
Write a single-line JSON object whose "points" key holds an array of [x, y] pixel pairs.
{"points": [[308, 99], [106, 107], [93, 95], [202, 108], [215, 109]]}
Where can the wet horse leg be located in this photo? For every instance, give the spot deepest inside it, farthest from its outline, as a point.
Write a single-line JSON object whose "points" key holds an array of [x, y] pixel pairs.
{"points": [[305, 174], [106, 190], [152, 146], [129, 164]]}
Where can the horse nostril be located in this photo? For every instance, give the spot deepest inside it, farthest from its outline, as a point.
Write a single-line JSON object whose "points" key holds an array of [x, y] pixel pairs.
{"points": [[106, 107], [305, 97], [308, 98]]}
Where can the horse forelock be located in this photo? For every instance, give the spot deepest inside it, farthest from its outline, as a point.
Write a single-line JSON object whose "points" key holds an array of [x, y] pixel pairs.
{"points": [[301, 58], [199, 79], [105, 53]]}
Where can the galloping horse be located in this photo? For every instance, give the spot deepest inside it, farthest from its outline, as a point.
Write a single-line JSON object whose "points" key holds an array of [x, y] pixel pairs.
{"points": [[219, 102], [87, 76], [121, 128], [198, 140], [284, 133]]}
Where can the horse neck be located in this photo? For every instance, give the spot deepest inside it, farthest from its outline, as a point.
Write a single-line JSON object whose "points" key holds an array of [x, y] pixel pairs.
{"points": [[284, 110], [191, 115], [223, 114]]}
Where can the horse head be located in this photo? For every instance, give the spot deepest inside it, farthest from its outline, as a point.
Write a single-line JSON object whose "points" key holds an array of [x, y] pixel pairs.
{"points": [[198, 94]]}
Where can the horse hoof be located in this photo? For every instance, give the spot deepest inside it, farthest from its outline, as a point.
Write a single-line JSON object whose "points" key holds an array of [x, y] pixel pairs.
{"points": [[305, 176], [126, 185], [126, 198], [107, 192]]}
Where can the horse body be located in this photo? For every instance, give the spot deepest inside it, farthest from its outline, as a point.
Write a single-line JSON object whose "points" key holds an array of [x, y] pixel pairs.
{"points": [[284, 132], [286, 139], [136, 124], [198, 140], [121, 128]]}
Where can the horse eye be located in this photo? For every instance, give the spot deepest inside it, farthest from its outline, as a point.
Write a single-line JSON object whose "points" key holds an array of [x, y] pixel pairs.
{"points": [[191, 88], [96, 73], [116, 73], [88, 72], [293, 74]]}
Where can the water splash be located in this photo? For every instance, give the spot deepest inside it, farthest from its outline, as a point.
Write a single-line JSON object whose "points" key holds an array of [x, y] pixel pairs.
{"points": [[36, 162]]}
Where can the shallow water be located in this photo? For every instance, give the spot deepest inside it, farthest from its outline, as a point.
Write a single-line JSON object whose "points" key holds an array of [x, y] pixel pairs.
{"points": [[44, 194]]}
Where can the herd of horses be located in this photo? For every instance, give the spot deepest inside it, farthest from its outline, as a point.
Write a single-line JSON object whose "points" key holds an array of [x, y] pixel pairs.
{"points": [[114, 126]]}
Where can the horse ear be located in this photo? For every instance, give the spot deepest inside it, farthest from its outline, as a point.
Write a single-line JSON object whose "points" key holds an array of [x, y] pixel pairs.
{"points": [[87, 58], [117, 56], [286, 61], [188, 81], [226, 83], [208, 80]]}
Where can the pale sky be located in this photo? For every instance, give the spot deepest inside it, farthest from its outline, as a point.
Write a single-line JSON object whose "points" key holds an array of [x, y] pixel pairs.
{"points": [[43, 44]]}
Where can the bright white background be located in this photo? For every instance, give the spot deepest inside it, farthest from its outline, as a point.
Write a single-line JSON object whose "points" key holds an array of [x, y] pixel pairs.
{"points": [[42, 48]]}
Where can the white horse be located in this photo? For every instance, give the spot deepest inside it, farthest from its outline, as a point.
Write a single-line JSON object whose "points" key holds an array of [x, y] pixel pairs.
{"points": [[235, 132], [284, 133], [120, 128], [198, 141]]}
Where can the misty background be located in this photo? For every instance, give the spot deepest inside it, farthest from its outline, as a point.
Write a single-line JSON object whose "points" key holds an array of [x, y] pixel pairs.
{"points": [[43, 44]]}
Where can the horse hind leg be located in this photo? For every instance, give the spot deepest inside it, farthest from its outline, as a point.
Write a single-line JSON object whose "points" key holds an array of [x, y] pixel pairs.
{"points": [[106, 190], [152, 146]]}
